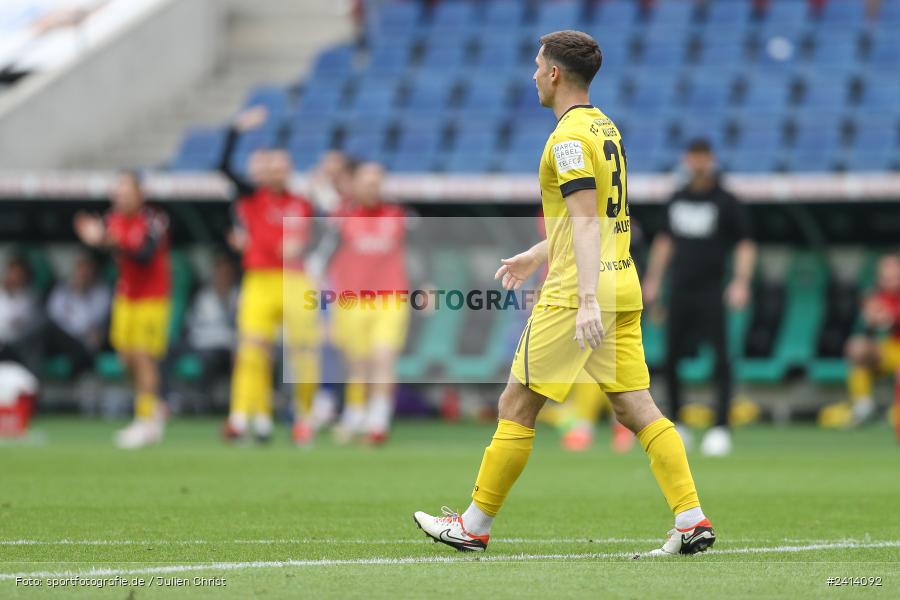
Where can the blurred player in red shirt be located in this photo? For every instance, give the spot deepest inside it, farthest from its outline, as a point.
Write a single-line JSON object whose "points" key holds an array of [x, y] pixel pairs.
{"points": [[875, 351], [273, 228], [371, 318], [137, 235]]}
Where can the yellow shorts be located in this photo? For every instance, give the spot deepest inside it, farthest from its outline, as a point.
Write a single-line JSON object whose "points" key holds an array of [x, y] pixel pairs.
{"points": [[272, 298], [889, 355], [360, 330], [549, 361], [140, 325]]}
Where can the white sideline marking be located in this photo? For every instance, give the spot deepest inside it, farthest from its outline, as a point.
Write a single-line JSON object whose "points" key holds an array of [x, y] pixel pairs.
{"points": [[611, 540], [67, 542], [412, 560]]}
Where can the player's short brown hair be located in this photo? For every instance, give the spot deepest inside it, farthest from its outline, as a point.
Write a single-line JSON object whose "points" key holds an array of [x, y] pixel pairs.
{"points": [[574, 51]]}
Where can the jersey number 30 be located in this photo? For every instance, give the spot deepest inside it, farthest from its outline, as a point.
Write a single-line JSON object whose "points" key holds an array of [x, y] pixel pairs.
{"points": [[611, 151]]}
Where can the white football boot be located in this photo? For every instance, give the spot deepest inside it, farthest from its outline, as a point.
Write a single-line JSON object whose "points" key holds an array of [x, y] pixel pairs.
{"points": [[685, 541], [716, 442], [449, 530], [140, 434]]}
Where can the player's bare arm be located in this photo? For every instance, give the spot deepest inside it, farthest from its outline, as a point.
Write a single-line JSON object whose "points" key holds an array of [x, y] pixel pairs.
{"points": [[660, 254], [738, 292], [582, 207], [514, 271]]}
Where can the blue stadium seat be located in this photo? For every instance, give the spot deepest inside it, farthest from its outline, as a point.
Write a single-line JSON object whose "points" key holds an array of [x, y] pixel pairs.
{"points": [[305, 146], [742, 160], [889, 14], [606, 93], [374, 97], [672, 16], [867, 161], [557, 15], [836, 51], [311, 125], [710, 95], [425, 139], [881, 96], [825, 95], [651, 96], [395, 18], [475, 140], [884, 52], [616, 14], [320, 100], [477, 161], [500, 55], [767, 94], [644, 140], [502, 14], [664, 55], [527, 140], [389, 59], [429, 95], [200, 150], [334, 63], [731, 16], [444, 55], [816, 147], [519, 162], [644, 162], [485, 97], [451, 19], [412, 163], [844, 13], [721, 52], [706, 125], [764, 138], [876, 139], [364, 145], [787, 11]]}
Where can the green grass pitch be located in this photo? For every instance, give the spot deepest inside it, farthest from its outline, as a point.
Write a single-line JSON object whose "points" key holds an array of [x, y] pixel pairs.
{"points": [[792, 507]]}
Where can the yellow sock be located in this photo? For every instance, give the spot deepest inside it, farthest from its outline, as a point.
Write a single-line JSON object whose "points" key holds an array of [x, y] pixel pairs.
{"points": [[502, 464], [306, 373], [669, 464], [251, 384], [859, 383], [355, 394], [146, 405]]}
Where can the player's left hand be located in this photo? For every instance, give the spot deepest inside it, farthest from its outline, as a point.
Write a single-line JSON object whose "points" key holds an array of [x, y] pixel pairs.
{"points": [[588, 325], [737, 294]]}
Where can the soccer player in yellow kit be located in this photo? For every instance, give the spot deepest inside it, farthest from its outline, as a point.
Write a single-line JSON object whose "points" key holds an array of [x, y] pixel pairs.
{"points": [[588, 315]]}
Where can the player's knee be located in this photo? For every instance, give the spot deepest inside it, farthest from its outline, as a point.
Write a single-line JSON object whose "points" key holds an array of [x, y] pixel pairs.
{"points": [[519, 404]]}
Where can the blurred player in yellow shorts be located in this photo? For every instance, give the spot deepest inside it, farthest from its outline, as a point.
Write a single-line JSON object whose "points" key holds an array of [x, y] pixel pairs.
{"points": [[876, 350], [138, 236], [273, 230], [371, 316]]}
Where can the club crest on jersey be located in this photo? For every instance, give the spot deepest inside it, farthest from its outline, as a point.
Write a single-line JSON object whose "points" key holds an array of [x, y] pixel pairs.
{"points": [[569, 156]]}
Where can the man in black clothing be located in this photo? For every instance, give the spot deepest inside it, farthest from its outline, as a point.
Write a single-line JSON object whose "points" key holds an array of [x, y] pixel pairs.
{"points": [[703, 223]]}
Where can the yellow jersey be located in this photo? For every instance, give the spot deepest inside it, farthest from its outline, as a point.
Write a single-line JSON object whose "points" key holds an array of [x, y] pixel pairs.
{"points": [[585, 152]]}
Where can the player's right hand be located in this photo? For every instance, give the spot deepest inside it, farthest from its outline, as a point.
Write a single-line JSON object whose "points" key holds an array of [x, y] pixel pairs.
{"points": [[513, 272], [251, 118], [89, 229], [650, 288]]}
